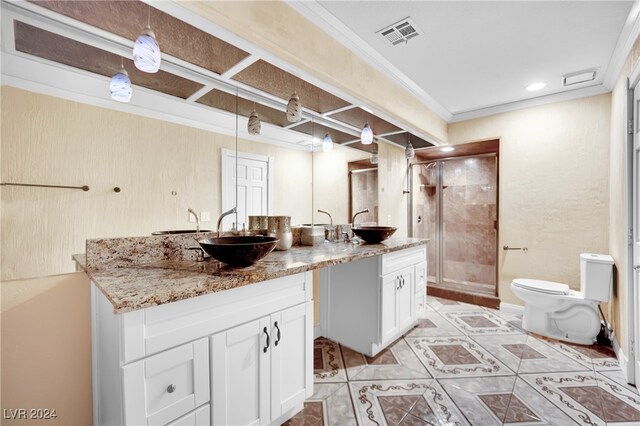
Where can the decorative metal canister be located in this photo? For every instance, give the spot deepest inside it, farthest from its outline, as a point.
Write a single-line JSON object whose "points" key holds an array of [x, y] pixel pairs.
{"points": [[280, 227]]}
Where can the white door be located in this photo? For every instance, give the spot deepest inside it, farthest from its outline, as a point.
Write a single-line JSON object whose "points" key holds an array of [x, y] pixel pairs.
{"points": [[390, 288], [247, 183], [635, 291], [240, 365], [291, 358], [405, 297]]}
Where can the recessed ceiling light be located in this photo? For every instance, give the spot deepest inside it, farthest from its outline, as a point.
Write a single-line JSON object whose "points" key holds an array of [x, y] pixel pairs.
{"points": [[535, 86], [447, 149]]}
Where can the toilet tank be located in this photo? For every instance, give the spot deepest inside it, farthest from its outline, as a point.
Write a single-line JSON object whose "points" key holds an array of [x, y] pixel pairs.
{"points": [[596, 276]]}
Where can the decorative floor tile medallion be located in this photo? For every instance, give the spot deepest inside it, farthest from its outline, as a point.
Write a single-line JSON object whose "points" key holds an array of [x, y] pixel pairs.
{"points": [[327, 361], [480, 322], [587, 399], [403, 403], [434, 324], [456, 357]]}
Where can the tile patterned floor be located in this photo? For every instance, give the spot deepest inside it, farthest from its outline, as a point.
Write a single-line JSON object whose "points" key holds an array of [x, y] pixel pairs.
{"points": [[467, 365]]}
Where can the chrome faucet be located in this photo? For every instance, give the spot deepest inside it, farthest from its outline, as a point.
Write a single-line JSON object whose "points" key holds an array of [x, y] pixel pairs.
{"points": [[328, 214], [232, 211], [197, 219], [353, 219]]}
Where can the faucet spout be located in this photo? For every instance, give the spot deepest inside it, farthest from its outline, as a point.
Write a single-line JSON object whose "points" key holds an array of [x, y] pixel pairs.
{"points": [[197, 219], [227, 213], [353, 219], [328, 214]]}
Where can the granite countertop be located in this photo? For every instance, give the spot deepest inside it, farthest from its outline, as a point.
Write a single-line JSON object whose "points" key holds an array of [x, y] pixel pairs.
{"points": [[134, 287]]}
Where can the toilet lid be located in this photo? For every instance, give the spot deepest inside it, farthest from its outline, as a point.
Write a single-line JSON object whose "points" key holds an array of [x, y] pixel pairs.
{"points": [[548, 287]]}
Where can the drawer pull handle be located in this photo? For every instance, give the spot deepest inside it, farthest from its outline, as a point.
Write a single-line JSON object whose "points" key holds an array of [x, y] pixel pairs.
{"points": [[398, 281], [277, 328], [266, 347], [171, 388]]}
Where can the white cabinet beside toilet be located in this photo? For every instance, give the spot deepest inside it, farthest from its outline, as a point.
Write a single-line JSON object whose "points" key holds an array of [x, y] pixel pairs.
{"points": [[373, 301]]}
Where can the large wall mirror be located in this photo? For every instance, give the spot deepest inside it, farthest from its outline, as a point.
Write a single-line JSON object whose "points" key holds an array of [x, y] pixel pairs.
{"points": [[164, 150]]}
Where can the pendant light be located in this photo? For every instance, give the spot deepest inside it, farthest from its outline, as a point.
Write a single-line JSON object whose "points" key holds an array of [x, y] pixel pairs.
{"points": [[294, 109], [120, 85], [254, 125], [366, 137], [146, 51], [327, 143], [374, 155], [409, 151]]}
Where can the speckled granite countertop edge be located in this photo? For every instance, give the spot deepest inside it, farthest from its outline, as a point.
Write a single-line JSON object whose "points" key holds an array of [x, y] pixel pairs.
{"points": [[151, 284]]}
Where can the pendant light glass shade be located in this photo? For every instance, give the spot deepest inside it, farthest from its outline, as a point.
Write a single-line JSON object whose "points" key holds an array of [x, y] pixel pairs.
{"points": [[120, 86], [327, 143], [294, 109], [254, 125], [366, 137], [374, 155], [146, 52], [409, 151]]}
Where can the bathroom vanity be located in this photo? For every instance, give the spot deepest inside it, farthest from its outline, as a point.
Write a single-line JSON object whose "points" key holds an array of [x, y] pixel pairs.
{"points": [[198, 343]]}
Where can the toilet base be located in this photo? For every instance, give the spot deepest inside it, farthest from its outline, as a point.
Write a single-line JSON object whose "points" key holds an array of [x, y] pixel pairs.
{"points": [[577, 324]]}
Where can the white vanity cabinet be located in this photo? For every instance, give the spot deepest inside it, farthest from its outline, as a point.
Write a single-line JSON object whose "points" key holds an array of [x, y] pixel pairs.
{"points": [[261, 370], [206, 360], [373, 301]]}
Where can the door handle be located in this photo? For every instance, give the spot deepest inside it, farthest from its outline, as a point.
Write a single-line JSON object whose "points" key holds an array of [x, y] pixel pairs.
{"points": [[397, 282], [267, 333], [275, 324], [636, 268]]}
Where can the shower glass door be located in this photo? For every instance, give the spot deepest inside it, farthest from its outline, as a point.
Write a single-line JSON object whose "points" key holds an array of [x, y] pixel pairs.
{"points": [[455, 206]]}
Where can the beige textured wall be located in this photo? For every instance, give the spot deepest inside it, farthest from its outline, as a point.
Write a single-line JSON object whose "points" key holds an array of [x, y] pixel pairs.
{"points": [[54, 141], [277, 28], [554, 186], [617, 231], [46, 348]]}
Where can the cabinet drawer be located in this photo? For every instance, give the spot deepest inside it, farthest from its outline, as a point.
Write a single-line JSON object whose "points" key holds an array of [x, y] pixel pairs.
{"points": [[199, 417], [161, 388], [421, 277], [397, 260]]}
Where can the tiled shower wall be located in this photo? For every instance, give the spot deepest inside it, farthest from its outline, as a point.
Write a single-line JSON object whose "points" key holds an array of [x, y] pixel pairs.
{"points": [[364, 195], [469, 214]]}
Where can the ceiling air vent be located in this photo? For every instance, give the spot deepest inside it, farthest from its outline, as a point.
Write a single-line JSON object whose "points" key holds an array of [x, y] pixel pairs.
{"points": [[579, 77], [400, 31]]}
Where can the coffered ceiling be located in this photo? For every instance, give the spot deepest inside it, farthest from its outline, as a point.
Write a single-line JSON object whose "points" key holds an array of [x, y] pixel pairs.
{"points": [[198, 69]]}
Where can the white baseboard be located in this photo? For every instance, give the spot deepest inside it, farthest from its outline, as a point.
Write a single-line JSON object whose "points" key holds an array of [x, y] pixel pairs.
{"points": [[622, 360], [511, 308], [317, 331]]}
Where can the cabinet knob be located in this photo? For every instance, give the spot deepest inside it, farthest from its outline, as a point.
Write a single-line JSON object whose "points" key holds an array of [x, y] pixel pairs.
{"points": [[171, 388]]}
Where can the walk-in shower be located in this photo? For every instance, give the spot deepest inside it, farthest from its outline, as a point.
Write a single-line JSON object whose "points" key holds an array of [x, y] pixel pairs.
{"points": [[454, 203]]}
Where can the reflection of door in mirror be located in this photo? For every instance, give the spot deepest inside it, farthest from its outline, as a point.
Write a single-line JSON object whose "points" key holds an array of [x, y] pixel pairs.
{"points": [[363, 191], [251, 192]]}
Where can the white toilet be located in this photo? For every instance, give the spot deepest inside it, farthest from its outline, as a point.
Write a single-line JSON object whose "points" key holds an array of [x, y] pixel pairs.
{"points": [[552, 309]]}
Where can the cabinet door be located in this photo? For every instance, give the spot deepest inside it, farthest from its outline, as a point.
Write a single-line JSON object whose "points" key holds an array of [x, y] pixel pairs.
{"points": [[291, 358], [389, 317], [405, 298], [199, 417], [240, 374], [163, 387]]}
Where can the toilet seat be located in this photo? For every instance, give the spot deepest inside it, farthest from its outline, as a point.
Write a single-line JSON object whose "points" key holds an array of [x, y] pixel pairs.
{"points": [[548, 287]]}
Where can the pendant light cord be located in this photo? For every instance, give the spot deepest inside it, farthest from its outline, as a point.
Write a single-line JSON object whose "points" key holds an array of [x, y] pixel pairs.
{"points": [[149, 17]]}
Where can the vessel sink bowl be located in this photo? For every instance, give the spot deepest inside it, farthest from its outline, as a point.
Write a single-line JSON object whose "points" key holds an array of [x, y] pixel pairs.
{"points": [[239, 250], [374, 234], [179, 231]]}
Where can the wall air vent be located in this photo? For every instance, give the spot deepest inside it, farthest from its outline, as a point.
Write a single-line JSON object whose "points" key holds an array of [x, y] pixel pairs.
{"points": [[579, 77], [400, 31]]}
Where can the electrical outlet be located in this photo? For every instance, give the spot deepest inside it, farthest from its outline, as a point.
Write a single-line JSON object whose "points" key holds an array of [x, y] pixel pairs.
{"points": [[205, 216]]}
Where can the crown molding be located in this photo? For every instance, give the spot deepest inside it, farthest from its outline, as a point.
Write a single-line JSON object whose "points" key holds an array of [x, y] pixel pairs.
{"points": [[626, 40], [322, 18], [530, 103], [336, 29]]}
